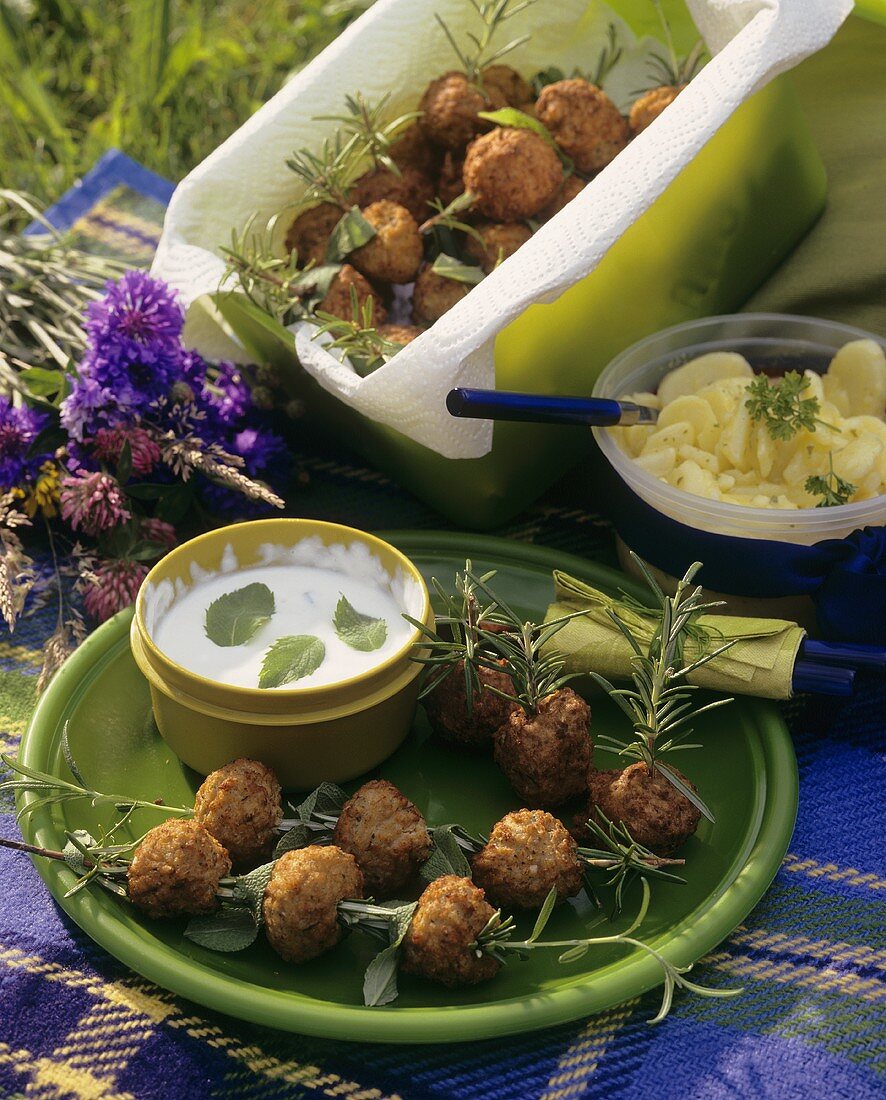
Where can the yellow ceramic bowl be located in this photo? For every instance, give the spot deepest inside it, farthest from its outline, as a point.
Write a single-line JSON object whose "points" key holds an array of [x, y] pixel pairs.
{"points": [[331, 732]]}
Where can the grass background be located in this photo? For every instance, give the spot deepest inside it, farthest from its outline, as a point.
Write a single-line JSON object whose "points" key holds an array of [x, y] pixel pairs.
{"points": [[163, 80]]}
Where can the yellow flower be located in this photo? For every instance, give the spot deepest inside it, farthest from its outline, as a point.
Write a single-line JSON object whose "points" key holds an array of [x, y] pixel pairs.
{"points": [[44, 494]]}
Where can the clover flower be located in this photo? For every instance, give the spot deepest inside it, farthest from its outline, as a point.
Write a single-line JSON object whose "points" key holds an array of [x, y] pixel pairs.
{"points": [[109, 443], [93, 502], [158, 530], [112, 586]]}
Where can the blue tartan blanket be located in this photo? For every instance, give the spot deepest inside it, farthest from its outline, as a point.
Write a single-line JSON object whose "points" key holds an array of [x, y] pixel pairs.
{"points": [[810, 1025]]}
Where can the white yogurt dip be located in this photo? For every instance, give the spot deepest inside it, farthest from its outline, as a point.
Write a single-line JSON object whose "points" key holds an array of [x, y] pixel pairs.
{"points": [[307, 582]]}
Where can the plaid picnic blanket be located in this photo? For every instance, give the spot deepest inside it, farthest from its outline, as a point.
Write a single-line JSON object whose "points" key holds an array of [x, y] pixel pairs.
{"points": [[812, 956]]}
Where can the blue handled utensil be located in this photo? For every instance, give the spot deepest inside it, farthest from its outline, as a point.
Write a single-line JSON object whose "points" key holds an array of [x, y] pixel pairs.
{"points": [[868, 658], [539, 408], [819, 679]]}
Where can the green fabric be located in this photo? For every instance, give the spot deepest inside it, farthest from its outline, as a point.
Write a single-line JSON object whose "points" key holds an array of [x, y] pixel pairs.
{"points": [[761, 662], [839, 270]]}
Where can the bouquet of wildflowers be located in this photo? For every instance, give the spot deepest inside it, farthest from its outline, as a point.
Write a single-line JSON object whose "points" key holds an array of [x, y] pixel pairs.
{"points": [[113, 436]]}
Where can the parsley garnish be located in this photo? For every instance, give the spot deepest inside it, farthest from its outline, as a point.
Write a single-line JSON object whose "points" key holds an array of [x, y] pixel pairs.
{"points": [[781, 406], [831, 487]]}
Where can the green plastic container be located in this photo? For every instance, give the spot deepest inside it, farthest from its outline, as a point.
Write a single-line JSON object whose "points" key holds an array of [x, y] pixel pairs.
{"points": [[718, 231]]}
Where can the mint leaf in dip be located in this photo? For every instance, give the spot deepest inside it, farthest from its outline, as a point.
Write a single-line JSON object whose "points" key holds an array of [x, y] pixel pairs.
{"points": [[291, 658], [357, 630], [232, 619]]}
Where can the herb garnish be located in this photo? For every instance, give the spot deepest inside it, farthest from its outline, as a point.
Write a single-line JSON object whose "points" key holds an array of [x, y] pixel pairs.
{"points": [[479, 55], [358, 340], [781, 405], [291, 658], [832, 488], [518, 120], [357, 630], [365, 122], [234, 618], [451, 268]]}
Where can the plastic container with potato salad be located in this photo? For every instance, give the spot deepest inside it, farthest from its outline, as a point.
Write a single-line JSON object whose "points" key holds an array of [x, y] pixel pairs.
{"points": [[762, 560]]}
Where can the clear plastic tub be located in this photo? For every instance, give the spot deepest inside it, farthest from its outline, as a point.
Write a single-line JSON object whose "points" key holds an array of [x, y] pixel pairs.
{"points": [[773, 343]]}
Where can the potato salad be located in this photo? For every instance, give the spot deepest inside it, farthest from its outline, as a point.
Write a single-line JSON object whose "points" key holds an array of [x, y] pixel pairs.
{"points": [[798, 441]]}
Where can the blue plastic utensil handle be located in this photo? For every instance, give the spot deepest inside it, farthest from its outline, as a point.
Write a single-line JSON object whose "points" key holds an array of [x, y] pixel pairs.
{"points": [[847, 654], [533, 408], [818, 679]]}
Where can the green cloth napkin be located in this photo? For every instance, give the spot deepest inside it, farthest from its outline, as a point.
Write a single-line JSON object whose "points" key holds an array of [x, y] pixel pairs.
{"points": [[760, 663]]}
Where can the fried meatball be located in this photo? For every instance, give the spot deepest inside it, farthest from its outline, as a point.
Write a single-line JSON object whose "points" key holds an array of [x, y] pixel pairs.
{"points": [[240, 805], [451, 913], [413, 150], [513, 89], [176, 869], [301, 900], [513, 173], [309, 233], [572, 186], [447, 707], [529, 853], [584, 122], [386, 835], [394, 253], [338, 297], [656, 814], [435, 294], [400, 334], [499, 242], [450, 182], [546, 755], [450, 110], [649, 106], [411, 189]]}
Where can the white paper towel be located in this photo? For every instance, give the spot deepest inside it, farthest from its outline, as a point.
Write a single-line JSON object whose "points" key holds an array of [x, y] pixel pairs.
{"points": [[398, 45]]}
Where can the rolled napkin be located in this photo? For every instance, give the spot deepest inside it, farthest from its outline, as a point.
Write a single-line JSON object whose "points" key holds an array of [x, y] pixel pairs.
{"points": [[761, 662]]}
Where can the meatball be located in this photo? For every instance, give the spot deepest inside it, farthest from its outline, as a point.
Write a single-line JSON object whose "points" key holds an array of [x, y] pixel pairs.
{"points": [[546, 755], [447, 706], [507, 82], [650, 105], [301, 900], [584, 122], [394, 253], [572, 186], [499, 242], [513, 173], [400, 334], [413, 150], [655, 813], [529, 853], [450, 110], [435, 294], [411, 189], [451, 913], [386, 835], [309, 233], [338, 297], [240, 805], [176, 869], [450, 182]]}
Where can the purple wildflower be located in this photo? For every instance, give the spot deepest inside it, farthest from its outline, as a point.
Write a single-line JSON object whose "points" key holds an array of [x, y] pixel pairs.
{"points": [[19, 427], [229, 394], [93, 502], [139, 320], [88, 407]]}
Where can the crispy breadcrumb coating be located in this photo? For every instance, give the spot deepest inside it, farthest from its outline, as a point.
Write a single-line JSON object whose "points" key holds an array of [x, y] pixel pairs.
{"points": [[655, 812], [513, 173], [240, 805], [451, 914], [434, 295], [650, 105], [310, 231], [584, 122], [413, 150], [572, 186], [338, 298], [394, 254], [500, 240], [301, 900], [386, 834], [400, 334], [176, 870], [513, 89], [450, 108], [528, 854], [450, 182], [411, 189]]}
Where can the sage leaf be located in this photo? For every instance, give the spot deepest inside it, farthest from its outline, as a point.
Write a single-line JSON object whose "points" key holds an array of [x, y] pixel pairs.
{"points": [[233, 618], [448, 856], [350, 232], [230, 929], [380, 979], [291, 658], [519, 120], [357, 630], [450, 268], [251, 889], [299, 836]]}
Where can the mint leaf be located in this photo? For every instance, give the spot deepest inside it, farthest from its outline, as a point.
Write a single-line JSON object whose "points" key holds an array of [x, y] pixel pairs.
{"points": [[357, 630], [232, 619], [350, 232], [291, 658], [230, 929]]}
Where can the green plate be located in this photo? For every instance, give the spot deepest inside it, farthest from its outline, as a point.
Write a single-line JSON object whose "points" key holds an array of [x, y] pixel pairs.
{"points": [[746, 771]]}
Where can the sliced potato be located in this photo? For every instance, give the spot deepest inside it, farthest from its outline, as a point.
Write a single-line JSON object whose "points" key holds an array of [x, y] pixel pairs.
{"points": [[659, 463], [858, 458], [702, 371], [697, 412], [672, 435], [859, 369]]}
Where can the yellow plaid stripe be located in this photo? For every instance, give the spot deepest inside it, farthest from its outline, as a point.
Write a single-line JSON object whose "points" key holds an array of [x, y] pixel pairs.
{"points": [[832, 873], [585, 1053], [23, 654]]}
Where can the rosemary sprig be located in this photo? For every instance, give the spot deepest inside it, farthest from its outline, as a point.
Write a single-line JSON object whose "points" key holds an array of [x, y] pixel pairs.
{"points": [[366, 123], [445, 217], [623, 857], [610, 55], [781, 406], [358, 340], [479, 53], [329, 175], [832, 488], [671, 69], [659, 705], [496, 939]]}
